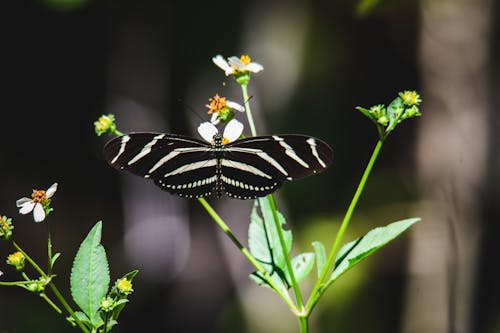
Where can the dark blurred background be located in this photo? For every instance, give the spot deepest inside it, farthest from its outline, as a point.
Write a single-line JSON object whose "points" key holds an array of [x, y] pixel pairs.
{"points": [[66, 62]]}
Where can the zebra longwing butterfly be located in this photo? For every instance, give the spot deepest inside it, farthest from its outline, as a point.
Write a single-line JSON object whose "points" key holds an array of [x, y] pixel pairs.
{"points": [[243, 169]]}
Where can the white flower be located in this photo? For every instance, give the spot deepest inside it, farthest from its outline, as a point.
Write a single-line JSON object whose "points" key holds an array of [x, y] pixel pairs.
{"points": [[235, 65], [38, 202], [232, 131]]}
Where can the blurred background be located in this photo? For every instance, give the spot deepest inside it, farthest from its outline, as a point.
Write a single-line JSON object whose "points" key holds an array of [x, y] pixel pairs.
{"points": [[66, 62]]}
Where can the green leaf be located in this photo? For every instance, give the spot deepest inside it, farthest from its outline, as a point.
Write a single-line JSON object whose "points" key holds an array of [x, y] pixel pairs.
{"points": [[90, 275], [82, 317], [352, 253], [54, 258], [319, 249], [302, 265], [264, 243], [394, 112]]}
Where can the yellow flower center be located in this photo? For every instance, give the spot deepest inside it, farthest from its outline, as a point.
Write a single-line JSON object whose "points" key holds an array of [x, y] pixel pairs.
{"points": [[225, 141], [410, 97], [15, 258], [38, 196], [124, 285], [245, 59], [216, 104], [103, 123]]}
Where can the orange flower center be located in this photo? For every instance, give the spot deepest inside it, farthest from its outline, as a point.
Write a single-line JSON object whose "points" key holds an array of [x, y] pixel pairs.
{"points": [[216, 104], [38, 196], [224, 141]]}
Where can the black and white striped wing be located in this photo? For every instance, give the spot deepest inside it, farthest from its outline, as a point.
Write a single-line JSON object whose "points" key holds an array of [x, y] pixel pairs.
{"points": [[180, 165], [257, 166]]}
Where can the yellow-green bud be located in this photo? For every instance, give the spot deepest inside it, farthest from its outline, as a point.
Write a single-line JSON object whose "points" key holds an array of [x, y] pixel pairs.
{"points": [[410, 98], [16, 259], [105, 124], [124, 286], [6, 227], [107, 304]]}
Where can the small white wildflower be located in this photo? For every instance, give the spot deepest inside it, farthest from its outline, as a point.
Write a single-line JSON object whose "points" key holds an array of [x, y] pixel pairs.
{"points": [[234, 65], [38, 203]]}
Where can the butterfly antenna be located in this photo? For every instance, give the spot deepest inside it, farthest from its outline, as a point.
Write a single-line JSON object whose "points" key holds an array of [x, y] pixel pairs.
{"points": [[188, 107]]}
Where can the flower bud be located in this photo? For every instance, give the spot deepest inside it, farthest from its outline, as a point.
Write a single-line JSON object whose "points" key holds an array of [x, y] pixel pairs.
{"points": [[6, 227], [105, 124], [124, 286], [16, 259]]}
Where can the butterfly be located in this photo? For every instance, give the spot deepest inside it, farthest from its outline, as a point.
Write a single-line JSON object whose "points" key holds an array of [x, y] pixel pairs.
{"points": [[222, 164]]}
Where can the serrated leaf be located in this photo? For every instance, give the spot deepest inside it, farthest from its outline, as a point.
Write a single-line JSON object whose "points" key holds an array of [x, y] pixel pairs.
{"points": [[90, 275], [302, 265], [263, 240], [352, 253], [319, 250]]}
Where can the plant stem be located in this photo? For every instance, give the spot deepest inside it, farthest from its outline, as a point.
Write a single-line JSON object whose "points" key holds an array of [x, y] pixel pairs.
{"points": [[304, 325], [286, 255], [246, 253], [319, 287], [244, 89], [49, 249], [52, 287], [52, 304]]}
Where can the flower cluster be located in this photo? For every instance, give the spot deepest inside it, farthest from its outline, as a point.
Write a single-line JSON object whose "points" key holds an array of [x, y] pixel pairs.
{"points": [[405, 106]]}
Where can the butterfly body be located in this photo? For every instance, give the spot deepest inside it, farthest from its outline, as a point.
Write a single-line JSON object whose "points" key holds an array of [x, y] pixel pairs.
{"points": [[243, 169]]}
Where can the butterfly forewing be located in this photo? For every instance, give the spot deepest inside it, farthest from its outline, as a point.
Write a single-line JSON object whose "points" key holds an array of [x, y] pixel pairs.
{"points": [[284, 157], [177, 164]]}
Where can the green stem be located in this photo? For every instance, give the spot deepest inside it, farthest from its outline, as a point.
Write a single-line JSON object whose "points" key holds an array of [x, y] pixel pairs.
{"points": [[244, 89], [319, 288], [49, 249], [52, 304], [14, 283], [52, 286], [246, 253], [286, 255], [304, 325]]}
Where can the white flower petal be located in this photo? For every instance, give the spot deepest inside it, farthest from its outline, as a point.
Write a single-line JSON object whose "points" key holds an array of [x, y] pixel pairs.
{"points": [[235, 106], [254, 67], [222, 63], [51, 190], [236, 62], [21, 202], [233, 130], [26, 207], [39, 213], [207, 131], [214, 120]]}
